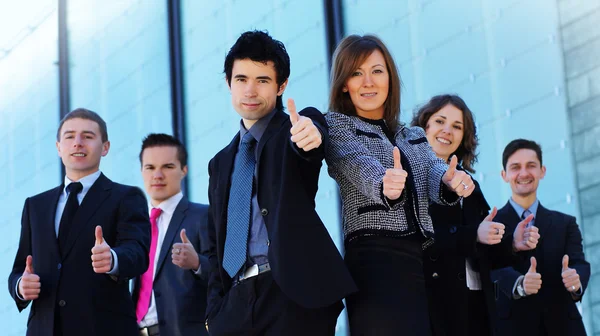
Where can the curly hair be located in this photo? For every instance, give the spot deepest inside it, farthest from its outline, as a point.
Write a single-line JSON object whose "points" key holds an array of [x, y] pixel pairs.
{"points": [[466, 151]]}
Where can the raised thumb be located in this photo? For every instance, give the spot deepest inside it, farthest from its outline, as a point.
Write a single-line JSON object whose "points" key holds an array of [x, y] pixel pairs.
{"points": [[99, 238], [452, 166], [491, 215], [533, 266], [29, 265], [291, 105], [397, 163], [565, 263], [184, 238]]}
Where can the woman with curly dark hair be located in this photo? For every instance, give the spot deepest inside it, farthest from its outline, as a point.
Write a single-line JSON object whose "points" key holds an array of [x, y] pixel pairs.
{"points": [[456, 267]]}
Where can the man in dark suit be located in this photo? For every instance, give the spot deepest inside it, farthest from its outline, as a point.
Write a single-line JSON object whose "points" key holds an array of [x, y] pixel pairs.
{"points": [[170, 296], [276, 270], [74, 291], [539, 291]]}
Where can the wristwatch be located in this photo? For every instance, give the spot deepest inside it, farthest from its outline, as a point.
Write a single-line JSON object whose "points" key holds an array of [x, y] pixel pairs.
{"points": [[520, 289]]}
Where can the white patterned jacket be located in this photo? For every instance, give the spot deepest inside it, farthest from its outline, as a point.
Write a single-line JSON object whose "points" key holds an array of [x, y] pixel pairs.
{"points": [[358, 155]]}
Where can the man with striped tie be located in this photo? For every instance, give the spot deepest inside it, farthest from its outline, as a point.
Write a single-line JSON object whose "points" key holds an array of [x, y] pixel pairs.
{"points": [[539, 291]]}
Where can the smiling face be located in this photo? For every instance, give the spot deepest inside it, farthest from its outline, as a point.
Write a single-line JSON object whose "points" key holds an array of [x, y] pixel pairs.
{"points": [[162, 173], [523, 173], [445, 131], [254, 89], [368, 86], [80, 147]]}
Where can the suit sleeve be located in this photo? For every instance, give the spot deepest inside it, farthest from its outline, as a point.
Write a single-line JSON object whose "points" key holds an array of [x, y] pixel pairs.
{"points": [[346, 156], [19, 264], [202, 240], [574, 249], [506, 278], [133, 235], [215, 285], [317, 154]]}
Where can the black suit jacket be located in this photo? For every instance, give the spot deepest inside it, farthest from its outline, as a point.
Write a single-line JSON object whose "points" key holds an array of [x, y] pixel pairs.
{"points": [[88, 303], [553, 307], [180, 295], [444, 264], [305, 262]]}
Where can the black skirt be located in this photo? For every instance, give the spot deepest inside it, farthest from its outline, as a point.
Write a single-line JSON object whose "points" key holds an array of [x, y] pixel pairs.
{"points": [[391, 297]]}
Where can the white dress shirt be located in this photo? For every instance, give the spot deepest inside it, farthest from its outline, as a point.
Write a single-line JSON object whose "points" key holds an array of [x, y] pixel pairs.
{"points": [[168, 208]]}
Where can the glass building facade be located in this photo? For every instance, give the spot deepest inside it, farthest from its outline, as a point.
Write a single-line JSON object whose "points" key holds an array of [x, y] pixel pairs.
{"points": [[525, 68]]}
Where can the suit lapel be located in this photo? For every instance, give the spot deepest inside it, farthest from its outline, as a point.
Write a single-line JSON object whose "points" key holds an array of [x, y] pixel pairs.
{"points": [[226, 158], [272, 128], [92, 201], [171, 234], [48, 216], [543, 220]]}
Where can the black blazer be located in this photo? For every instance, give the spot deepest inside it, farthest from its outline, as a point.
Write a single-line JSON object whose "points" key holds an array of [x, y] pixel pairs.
{"points": [[305, 262], [89, 303], [444, 264], [180, 295], [552, 306]]}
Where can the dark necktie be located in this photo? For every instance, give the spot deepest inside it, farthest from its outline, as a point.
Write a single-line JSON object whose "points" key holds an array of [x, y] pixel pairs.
{"points": [[66, 221], [239, 207], [525, 214]]}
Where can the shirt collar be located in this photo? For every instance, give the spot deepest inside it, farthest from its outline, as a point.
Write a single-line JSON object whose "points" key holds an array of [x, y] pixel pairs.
{"points": [[169, 204], [86, 182], [258, 129], [519, 209]]}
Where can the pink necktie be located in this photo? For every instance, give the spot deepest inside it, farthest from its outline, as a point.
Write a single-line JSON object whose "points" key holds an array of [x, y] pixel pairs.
{"points": [[146, 281]]}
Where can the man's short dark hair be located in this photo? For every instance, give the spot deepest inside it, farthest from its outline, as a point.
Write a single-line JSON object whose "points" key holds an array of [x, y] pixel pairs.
{"points": [[165, 140], [517, 144], [86, 114], [259, 46]]}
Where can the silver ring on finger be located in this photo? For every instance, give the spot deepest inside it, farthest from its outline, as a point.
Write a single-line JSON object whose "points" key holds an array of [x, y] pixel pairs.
{"points": [[572, 288], [177, 251], [464, 185], [497, 231]]}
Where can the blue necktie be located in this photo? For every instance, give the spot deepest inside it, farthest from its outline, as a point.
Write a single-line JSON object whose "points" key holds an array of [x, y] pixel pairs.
{"points": [[239, 207], [525, 214]]}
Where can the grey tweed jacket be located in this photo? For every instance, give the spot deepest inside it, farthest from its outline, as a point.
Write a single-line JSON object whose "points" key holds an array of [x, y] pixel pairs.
{"points": [[358, 155]]}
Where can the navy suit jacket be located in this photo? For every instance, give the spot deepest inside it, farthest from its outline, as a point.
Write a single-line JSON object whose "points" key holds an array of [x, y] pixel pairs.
{"points": [[88, 303], [180, 295], [552, 306], [305, 262]]}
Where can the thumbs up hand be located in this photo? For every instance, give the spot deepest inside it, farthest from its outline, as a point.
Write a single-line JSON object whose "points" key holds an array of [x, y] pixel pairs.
{"points": [[457, 180], [394, 178], [526, 236], [490, 232], [533, 280], [569, 276], [304, 132], [101, 255], [184, 255], [29, 285]]}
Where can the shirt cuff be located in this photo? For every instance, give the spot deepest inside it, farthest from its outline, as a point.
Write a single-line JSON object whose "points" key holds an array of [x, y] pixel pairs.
{"points": [[115, 269], [199, 270], [17, 290], [516, 294]]}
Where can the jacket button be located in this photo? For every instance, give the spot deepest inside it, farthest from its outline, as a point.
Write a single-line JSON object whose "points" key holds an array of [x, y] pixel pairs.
{"points": [[264, 211], [452, 229], [435, 275], [59, 266], [62, 303]]}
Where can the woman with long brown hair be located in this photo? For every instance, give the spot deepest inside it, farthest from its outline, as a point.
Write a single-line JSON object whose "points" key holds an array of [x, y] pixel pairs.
{"points": [[387, 175]]}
